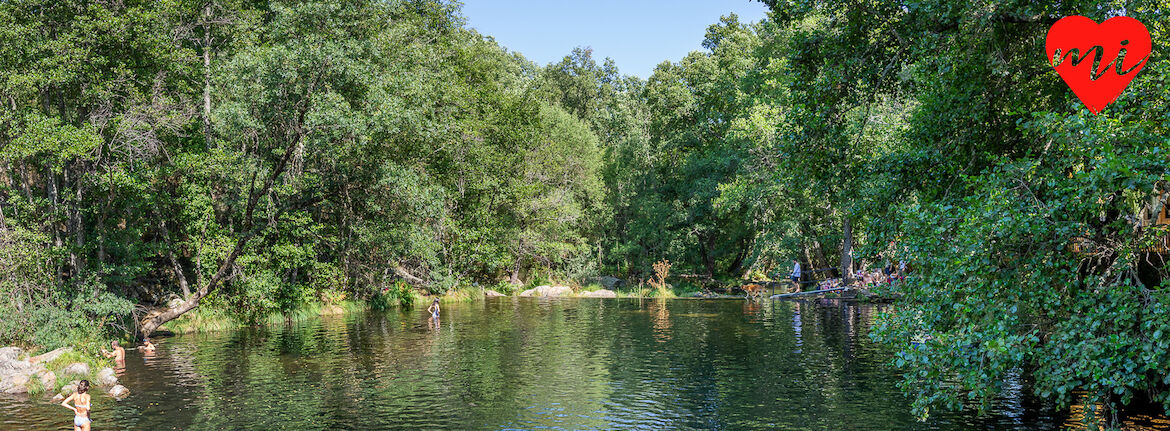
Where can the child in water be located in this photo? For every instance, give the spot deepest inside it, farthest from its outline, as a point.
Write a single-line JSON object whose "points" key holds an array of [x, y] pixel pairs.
{"points": [[80, 407]]}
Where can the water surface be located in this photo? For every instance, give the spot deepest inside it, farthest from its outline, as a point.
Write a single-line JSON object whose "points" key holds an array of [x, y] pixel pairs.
{"points": [[529, 363]]}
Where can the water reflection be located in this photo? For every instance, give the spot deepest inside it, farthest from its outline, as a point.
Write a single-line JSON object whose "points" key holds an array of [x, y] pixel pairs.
{"points": [[532, 363]]}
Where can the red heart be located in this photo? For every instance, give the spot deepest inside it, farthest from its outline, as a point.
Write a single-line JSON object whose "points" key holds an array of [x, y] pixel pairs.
{"points": [[1088, 56]]}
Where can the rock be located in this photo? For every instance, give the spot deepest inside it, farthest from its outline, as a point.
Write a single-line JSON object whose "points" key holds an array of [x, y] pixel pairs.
{"points": [[69, 389], [106, 377], [603, 293], [58, 398], [609, 283], [15, 384], [548, 291], [48, 379], [46, 357], [119, 392], [491, 293], [76, 369], [8, 354]]}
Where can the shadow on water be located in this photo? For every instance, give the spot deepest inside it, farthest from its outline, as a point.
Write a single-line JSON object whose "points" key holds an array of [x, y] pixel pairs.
{"points": [[531, 363]]}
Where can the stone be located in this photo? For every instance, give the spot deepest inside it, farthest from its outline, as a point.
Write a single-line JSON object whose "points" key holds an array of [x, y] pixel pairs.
{"points": [[46, 357], [106, 377], [610, 283], [548, 291], [603, 293], [8, 354], [491, 293], [58, 398], [76, 369], [48, 379], [119, 392], [69, 389], [16, 384]]}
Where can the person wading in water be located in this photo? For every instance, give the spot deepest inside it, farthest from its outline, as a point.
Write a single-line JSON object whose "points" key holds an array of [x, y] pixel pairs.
{"points": [[795, 275], [80, 407]]}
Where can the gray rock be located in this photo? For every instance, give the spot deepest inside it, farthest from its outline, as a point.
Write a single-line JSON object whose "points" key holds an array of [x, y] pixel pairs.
{"points": [[548, 291], [119, 392], [603, 293], [8, 354], [106, 377], [76, 369], [46, 357], [48, 379], [608, 282], [69, 389], [491, 293], [58, 398], [15, 384]]}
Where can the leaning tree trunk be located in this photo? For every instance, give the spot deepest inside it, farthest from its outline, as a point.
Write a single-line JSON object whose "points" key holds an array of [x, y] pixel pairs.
{"points": [[153, 320]]}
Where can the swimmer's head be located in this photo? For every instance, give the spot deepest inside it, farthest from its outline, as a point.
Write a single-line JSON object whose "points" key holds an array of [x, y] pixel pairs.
{"points": [[83, 386]]}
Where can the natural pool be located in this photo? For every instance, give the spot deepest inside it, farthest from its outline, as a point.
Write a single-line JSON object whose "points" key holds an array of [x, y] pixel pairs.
{"points": [[529, 363]]}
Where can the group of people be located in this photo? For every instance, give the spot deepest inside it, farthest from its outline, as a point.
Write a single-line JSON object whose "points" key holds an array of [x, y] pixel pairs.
{"points": [[80, 398], [886, 274]]}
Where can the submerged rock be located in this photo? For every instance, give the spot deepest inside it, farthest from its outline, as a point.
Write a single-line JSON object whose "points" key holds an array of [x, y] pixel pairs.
{"points": [[119, 392], [603, 293], [491, 293], [548, 291]]}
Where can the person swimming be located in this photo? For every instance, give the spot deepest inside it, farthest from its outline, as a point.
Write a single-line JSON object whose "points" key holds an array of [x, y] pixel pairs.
{"points": [[81, 406]]}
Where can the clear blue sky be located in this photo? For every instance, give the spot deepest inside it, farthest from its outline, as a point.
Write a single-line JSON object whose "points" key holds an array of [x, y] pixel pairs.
{"points": [[637, 34]]}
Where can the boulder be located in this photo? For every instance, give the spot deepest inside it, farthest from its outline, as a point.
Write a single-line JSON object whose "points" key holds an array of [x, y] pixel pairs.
{"points": [[76, 369], [548, 291], [119, 392], [106, 377], [491, 293], [58, 398], [15, 384], [48, 379], [8, 354], [603, 293], [69, 389], [46, 357], [609, 283]]}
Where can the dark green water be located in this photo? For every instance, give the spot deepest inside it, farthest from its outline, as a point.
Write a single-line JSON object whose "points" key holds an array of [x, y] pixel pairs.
{"points": [[512, 363]]}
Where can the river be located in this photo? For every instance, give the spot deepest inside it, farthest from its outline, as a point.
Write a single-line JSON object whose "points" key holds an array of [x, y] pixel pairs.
{"points": [[528, 363]]}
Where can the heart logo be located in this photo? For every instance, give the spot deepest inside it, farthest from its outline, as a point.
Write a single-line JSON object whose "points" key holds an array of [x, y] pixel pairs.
{"points": [[1098, 60]]}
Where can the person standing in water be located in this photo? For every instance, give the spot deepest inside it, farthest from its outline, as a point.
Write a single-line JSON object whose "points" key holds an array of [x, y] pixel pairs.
{"points": [[147, 346], [434, 309], [81, 406], [119, 354], [795, 275]]}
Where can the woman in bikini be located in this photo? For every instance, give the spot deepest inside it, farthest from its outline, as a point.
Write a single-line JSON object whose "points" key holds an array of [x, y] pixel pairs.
{"points": [[80, 407]]}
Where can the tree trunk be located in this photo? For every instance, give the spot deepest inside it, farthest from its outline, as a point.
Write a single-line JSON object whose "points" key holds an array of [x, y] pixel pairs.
{"points": [[207, 73], [846, 250], [152, 321]]}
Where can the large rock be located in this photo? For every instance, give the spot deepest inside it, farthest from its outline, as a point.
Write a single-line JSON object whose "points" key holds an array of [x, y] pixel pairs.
{"points": [[106, 377], [119, 392], [548, 291], [603, 293], [69, 389], [76, 369], [48, 379], [15, 384], [46, 357], [610, 283], [491, 293], [8, 354]]}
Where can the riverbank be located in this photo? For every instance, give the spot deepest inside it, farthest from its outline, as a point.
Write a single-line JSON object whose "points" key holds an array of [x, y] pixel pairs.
{"points": [[55, 372]]}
